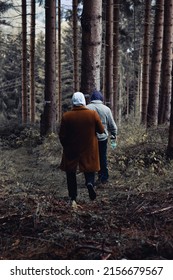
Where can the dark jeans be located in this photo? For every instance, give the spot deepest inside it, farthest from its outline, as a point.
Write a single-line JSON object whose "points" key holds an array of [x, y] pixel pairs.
{"points": [[103, 173], [72, 182]]}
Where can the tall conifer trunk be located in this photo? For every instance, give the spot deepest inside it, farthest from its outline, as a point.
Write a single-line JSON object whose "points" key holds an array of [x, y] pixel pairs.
{"points": [[75, 46], [146, 62], [32, 63], [59, 101], [115, 58], [48, 119], [24, 64], [170, 137], [166, 81], [153, 102], [109, 55], [91, 45]]}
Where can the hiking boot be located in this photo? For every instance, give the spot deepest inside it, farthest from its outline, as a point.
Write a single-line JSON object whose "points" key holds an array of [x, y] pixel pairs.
{"points": [[91, 191]]}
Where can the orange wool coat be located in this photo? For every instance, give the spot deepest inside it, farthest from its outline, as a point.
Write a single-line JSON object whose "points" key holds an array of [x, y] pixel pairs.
{"points": [[78, 137]]}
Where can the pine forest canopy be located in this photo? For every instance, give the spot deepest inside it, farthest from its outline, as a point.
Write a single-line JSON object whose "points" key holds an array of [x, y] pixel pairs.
{"points": [[113, 46]]}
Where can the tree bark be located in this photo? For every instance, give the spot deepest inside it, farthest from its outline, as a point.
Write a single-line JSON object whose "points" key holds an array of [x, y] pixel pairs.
{"points": [[109, 55], [146, 62], [24, 64], [59, 101], [48, 119], [91, 22], [166, 83], [170, 137], [115, 58], [153, 102], [75, 47], [32, 64]]}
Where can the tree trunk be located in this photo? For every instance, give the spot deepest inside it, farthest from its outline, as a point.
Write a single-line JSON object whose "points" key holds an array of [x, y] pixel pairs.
{"points": [[127, 97], [120, 102], [24, 64], [32, 63], [59, 103], [109, 55], [75, 46], [146, 62], [153, 102], [170, 137], [115, 57], [91, 22], [48, 119], [165, 96]]}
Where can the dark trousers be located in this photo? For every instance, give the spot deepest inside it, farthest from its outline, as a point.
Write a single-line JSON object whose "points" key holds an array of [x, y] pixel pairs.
{"points": [[72, 182], [103, 173]]}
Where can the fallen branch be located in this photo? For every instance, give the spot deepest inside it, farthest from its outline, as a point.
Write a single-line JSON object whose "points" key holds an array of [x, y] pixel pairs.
{"points": [[161, 210]]}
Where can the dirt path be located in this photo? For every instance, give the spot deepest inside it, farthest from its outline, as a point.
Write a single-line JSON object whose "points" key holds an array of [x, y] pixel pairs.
{"points": [[126, 221]]}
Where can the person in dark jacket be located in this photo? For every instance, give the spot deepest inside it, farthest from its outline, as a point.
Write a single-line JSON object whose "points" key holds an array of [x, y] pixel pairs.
{"points": [[78, 137], [96, 104]]}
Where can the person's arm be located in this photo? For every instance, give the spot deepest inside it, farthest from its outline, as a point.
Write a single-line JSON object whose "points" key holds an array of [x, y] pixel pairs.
{"points": [[112, 127], [99, 125]]}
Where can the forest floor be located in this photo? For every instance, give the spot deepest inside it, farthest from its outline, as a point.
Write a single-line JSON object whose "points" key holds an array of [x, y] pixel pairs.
{"points": [[131, 218]]}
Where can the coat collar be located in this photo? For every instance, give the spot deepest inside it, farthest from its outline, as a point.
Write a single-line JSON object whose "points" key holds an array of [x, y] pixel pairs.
{"points": [[97, 102], [78, 108]]}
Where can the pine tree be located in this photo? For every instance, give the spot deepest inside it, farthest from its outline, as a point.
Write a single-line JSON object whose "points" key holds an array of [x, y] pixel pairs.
{"points": [[166, 81], [91, 22], [116, 58], [48, 119], [24, 65], [32, 64], [146, 62], [109, 55], [153, 102]]}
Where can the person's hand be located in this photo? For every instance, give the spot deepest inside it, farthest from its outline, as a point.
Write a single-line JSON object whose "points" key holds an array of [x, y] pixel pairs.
{"points": [[113, 137], [113, 142]]}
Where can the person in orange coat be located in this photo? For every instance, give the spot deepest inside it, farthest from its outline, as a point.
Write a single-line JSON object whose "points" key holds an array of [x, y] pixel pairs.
{"points": [[77, 135]]}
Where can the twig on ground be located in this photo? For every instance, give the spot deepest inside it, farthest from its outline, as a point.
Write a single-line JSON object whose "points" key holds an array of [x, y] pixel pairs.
{"points": [[161, 210]]}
